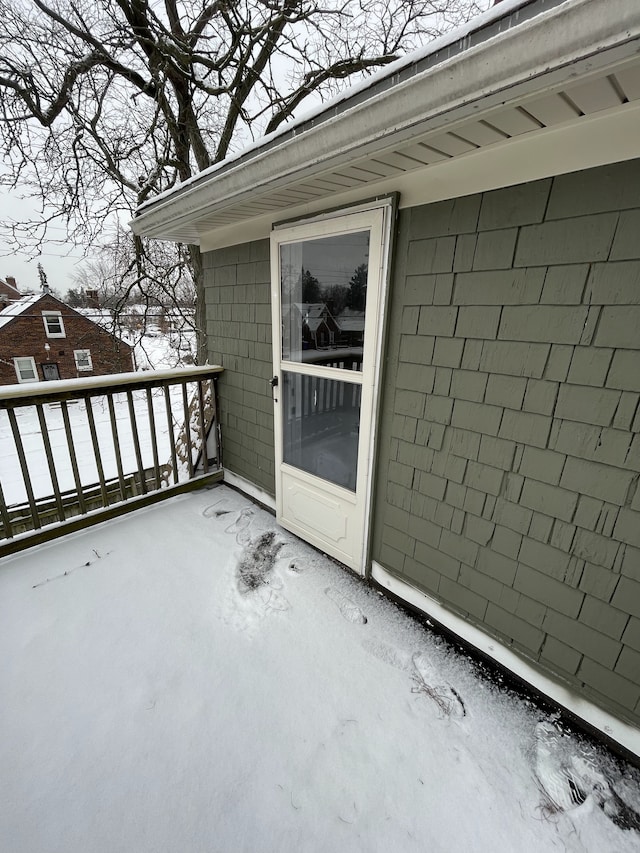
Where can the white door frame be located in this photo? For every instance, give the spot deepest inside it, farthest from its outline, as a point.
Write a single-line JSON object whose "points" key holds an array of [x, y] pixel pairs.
{"points": [[310, 501]]}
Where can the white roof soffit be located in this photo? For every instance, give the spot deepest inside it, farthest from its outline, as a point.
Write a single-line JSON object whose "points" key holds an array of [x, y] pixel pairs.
{"points": [[563, 64]]}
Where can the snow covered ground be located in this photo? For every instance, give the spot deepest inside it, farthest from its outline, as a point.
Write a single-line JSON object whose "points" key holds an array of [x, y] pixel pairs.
{"points": [[158, 351], [193, 678]]}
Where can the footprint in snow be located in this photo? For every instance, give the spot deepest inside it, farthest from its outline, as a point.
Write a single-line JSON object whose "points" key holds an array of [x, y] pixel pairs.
{"points": [[568, 772], [215, 511], [255, 566], [428, 682], [257, 587], [349, 609], [242, 521], [396, 658]]}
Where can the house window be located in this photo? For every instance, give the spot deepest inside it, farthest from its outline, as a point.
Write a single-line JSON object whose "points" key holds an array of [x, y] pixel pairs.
{"points": [[83, 359], [25, 369], [53, 325]]}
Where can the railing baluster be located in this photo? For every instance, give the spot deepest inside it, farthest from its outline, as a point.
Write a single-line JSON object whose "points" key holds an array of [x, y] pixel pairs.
{"points": [[96, 451], [154, 443], [116, 446], [24, 468], [203, 430], [172, 438], [50, 461], [6, 518], [53, 506], [187, 429], [215, 423], [72, 456], [136, 442]]}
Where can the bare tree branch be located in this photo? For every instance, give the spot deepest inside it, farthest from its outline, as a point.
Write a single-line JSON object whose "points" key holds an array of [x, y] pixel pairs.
{"points": [[105, 103]]}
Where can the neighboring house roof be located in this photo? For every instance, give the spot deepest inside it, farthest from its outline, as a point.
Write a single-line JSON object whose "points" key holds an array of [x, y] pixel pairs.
{"points": [[351, 321], [16, 308], [529, 89], [316, 313], [313, 313]]}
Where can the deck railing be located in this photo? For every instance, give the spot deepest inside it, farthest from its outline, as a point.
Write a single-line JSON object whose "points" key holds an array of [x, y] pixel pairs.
{"points": [[79, 451]]}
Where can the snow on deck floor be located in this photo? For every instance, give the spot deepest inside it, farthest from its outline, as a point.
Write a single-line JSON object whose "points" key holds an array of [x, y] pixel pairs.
{"points": [[163, 689]]}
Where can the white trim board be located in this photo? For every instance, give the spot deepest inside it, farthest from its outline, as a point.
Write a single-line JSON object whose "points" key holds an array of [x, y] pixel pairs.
{"points": [[565, 44], [610, 136], [248, 488], [622, 733]]}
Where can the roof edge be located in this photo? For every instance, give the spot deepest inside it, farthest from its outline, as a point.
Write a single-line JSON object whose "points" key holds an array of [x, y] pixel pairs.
{"points": [[571, 31], [499, 18]]}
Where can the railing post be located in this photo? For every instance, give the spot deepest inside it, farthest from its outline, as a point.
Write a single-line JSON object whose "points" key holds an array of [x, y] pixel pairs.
{"points": [[187, 429], [172, 438], [73, 457], [96, 450], [152, 432], [116, 446], [50, 461], [6, 518], [136, 442], [24, 468], [203, 430]]}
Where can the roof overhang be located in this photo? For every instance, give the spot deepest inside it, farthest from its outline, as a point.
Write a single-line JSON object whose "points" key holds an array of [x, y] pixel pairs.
{"points": [[554, 90]]}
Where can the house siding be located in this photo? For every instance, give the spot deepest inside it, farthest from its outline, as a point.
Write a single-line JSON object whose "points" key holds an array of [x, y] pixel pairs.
{"points": [[238, 305], [507, 481]]}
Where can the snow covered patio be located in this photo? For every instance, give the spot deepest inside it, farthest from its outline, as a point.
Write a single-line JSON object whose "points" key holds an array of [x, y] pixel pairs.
{"points": [[192, 678]]}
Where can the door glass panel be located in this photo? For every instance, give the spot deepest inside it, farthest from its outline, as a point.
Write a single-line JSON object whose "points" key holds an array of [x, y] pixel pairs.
{"points": [[323, 291], [321, 420]]}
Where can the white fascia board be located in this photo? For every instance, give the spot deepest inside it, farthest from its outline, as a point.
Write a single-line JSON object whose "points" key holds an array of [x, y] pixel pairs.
{"points": [[532, 57], [610, 136], [320, 111]]}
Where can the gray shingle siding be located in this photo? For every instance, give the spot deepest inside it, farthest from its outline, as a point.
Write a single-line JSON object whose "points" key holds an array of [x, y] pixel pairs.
{"points": [[507, 482], [238, 300]]}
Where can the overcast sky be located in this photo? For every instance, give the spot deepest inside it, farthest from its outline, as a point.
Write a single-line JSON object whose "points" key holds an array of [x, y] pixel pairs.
{"points": [[60, 262]]}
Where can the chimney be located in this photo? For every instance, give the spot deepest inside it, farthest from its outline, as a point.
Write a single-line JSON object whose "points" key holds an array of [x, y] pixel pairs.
{"points": [[11, 281], [93, 298]]}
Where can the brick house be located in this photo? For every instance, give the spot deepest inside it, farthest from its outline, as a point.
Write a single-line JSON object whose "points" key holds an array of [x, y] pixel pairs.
{"points": [[41, 338], [490, 185]]}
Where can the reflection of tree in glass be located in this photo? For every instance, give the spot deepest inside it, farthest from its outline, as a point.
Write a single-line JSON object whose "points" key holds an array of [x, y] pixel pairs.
{"points": [[336, 298], [357, 295], [311, 291]]}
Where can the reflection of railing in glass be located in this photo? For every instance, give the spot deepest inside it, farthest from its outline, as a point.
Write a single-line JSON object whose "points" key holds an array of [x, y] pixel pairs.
{"points": [[341, 358]]}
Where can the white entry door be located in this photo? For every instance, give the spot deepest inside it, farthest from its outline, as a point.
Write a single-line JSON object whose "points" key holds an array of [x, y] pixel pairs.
{"points": [[327, 291]]}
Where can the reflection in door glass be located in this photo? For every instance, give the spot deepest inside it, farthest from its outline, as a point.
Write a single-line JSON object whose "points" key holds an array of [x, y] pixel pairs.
{"points": [[324, 291], [320, 427]]}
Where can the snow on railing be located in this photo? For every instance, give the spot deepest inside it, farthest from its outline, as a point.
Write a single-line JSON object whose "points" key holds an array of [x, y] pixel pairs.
{"points": [[78, 451]]}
